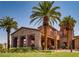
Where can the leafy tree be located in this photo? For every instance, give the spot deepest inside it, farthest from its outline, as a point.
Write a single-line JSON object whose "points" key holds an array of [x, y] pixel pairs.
{"points": [[1, 46]]}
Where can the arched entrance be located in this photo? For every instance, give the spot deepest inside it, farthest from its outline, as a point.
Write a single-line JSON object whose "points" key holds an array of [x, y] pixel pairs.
{"points": [[14, 42], [22, 39], [31, 41], [50, 43]]}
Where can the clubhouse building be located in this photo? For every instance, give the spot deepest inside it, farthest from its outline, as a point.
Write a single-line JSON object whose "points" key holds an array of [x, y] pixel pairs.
{"points": [[28, 37]]}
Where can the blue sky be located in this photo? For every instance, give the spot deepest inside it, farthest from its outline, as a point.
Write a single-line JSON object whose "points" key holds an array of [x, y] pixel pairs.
{"points": [[21, 12]]}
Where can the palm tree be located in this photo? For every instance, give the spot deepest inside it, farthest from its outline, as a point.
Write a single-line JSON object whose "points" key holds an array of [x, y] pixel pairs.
{"points": [[69, 23], [46, 12], [7, 23]]}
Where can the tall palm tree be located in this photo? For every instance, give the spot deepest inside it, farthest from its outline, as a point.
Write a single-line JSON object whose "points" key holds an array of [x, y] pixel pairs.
{"points": [[69, 23], [7, 23], [46, 12]]}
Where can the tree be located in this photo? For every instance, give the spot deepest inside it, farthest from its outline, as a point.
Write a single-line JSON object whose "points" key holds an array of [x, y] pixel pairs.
{"points": [[7, 23], [1, 46], [69, 23], [46, 12]]}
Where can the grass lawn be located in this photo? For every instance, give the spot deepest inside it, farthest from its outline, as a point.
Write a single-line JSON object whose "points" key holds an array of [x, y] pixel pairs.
{"points": [[40, 54]]}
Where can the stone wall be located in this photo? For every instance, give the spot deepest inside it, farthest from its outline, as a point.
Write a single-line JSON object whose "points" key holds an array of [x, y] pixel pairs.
{"points": [[51, 32], [25, 32]]}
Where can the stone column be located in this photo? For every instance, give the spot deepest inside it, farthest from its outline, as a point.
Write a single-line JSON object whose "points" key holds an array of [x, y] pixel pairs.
{"points": [[38, 41], [12, 41], [55, 40], [18, 41], [26, 41], [55, 43], [61, 38]]}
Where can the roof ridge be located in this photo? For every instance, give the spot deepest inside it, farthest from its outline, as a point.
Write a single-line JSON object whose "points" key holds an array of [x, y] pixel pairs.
{"points": [[24, 28]]}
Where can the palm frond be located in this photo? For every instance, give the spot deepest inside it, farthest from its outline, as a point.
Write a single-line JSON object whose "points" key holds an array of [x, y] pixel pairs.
{"points": [[55, 18], [38, 21], [55, 8], [68, 21], [43, 9], [33, 19], [8, 23], [36, 8]]}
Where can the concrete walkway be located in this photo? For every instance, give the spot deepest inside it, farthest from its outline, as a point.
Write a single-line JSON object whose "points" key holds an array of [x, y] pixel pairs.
{"points": [[64, 50]]}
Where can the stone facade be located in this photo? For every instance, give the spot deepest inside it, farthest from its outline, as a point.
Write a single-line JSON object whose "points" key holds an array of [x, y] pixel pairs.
{"points": [[25, 37], [52, 34], [26, 33], [22, 34]]}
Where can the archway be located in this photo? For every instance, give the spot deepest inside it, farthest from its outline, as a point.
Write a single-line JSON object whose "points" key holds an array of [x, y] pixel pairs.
{"points": [[22, 41], [31, 40], [15, 42]]}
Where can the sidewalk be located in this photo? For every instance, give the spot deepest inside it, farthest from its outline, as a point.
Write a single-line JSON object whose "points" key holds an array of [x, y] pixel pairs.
{"points": [[64, 50]]}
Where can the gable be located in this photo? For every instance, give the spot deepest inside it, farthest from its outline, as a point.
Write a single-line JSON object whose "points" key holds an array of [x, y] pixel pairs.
{"points": [[23, 30]]}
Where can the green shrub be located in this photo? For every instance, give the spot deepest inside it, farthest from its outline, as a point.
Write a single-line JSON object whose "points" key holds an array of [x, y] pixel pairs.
{"points": [[45, 51], [3, 50], [0, 49], [17, 50], [1, 46], [22, 49], [12, 50]]}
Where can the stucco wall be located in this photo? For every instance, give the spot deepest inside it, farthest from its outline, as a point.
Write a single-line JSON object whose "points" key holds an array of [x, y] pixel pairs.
{"points": [[77, 43]]}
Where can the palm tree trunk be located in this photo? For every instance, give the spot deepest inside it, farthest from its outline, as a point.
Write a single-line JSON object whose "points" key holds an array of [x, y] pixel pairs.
{"points": [[45, 37], [68, 39], [71, 46], [8, 39], [45, 24], [71, 42]]}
